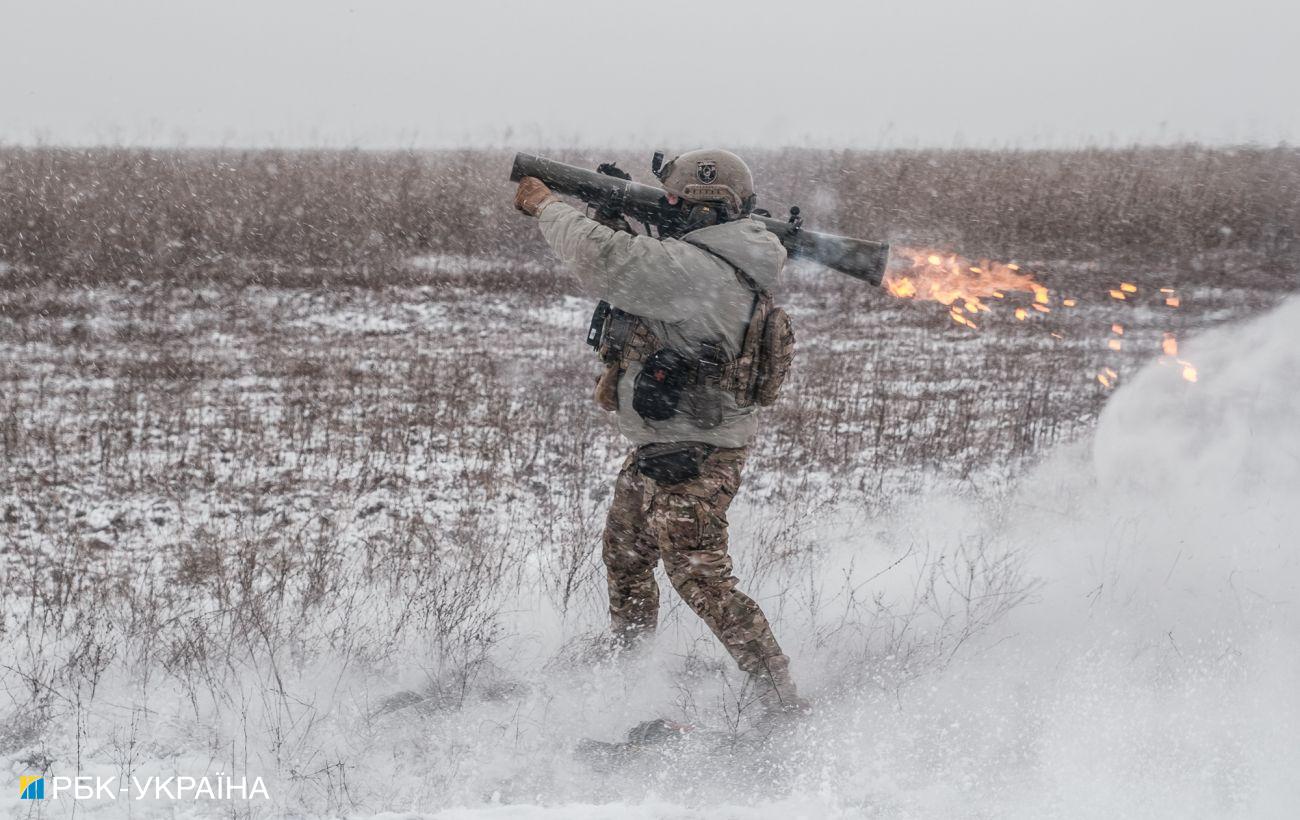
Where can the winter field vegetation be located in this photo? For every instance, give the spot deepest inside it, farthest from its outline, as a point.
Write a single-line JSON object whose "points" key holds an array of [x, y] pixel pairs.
{"points": [[300, 477]]}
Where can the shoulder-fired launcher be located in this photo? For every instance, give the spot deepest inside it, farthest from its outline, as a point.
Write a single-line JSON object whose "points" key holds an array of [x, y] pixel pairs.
{"points": [[859, 258]]}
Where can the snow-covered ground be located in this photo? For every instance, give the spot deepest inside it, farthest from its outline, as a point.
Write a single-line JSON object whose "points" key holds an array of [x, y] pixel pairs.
{"points": [[1153, 671], [239, 524]]}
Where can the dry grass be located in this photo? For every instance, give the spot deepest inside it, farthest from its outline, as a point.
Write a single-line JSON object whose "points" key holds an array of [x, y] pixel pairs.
{"points": [[114, 214]]}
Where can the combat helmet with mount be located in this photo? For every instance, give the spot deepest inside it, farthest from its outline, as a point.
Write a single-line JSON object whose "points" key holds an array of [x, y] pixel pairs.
{"points": [[709, 176]]}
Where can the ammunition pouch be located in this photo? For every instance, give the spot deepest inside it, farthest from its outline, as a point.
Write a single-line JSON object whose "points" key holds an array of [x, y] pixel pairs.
{"points": [[672, 463], [658, 387]]}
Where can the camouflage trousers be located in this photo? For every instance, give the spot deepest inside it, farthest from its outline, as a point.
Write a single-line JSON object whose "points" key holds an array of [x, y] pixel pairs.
{"points": [[685, 524]]}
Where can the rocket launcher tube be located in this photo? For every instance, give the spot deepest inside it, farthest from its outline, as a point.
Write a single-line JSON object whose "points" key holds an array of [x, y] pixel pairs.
{"points": [[859, 258]]}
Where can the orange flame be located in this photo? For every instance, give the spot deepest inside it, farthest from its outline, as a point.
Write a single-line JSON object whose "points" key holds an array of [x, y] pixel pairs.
{"points": [[956, 281], [962, 286]]}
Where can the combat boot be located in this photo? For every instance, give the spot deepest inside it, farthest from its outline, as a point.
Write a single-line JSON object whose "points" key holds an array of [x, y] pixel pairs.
{"points": [[775, 689]]}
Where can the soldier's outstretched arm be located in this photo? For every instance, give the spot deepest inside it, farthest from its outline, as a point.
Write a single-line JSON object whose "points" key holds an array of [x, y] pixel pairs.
{"points": [[635, 273]]}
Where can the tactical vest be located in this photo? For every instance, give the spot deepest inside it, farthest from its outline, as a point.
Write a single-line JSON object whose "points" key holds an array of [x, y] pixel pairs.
{"points": [[753, 376]]}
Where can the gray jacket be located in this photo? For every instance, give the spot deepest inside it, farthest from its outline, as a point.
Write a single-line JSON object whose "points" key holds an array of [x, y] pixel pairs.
{"points": [[686, 292]]}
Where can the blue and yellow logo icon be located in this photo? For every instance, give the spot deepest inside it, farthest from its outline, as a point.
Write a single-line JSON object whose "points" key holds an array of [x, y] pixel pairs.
{"points": [[31, 787]]}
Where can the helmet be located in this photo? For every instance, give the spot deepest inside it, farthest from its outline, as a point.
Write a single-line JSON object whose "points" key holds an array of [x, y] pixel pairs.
{"points": [[710, 175]]}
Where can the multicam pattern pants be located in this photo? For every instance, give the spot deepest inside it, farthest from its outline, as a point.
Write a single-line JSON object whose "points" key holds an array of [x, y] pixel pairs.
{"points": [[685, 524]]}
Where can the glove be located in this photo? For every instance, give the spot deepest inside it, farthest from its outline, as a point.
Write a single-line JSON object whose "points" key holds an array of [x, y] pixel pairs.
{"points": [[533, 196]]}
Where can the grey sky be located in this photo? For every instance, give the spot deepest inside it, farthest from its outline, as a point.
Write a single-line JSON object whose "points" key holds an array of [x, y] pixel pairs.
{"points": [[400, 73]]}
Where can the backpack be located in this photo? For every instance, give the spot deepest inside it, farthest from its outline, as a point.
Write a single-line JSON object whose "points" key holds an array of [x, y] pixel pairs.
{"points": [[766, 354]]}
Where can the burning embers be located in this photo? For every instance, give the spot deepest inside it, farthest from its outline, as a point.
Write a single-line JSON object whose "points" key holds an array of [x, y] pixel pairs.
{"points": [[953, 281], [969, 289], [1170, 348]]}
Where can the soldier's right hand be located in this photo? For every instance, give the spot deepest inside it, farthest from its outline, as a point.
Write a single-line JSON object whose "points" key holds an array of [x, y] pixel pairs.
{"points": [[533, 195]]}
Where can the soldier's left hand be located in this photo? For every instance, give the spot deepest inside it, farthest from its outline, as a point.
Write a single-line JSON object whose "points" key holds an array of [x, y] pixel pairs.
{"points": [[533, 196]]}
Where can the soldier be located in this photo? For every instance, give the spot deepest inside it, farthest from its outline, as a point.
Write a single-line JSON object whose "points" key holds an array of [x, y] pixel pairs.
{"points": [[685, 369]]}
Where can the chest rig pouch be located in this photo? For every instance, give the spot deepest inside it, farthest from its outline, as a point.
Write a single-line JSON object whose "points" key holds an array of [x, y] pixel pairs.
{"points": [[672, 381], [658, 387], [669, 381]]}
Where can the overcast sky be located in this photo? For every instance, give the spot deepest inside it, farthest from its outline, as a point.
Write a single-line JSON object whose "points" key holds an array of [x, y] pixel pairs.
{"points": [[398, 73]]}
